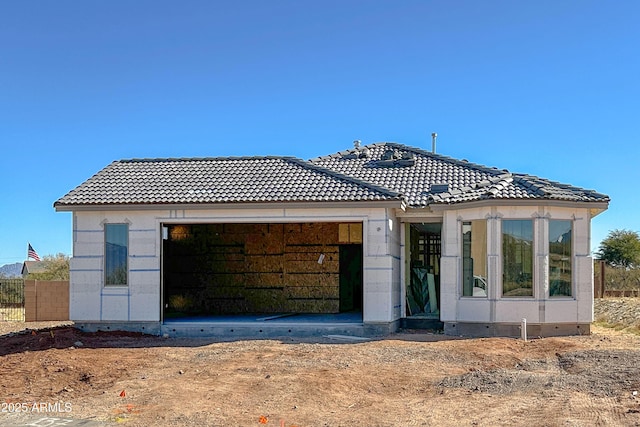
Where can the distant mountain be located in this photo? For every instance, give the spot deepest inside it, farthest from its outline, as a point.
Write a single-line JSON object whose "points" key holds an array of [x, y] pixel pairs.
{"points": [[11, 270]]}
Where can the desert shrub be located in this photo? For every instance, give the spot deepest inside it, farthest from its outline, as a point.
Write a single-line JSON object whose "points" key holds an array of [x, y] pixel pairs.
{"points": [[618, 278]]}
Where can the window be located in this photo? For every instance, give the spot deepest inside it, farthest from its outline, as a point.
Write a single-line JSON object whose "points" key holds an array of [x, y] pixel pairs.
{"points": [[116, 238], [560, 258], [517, 258], [474, 259]]}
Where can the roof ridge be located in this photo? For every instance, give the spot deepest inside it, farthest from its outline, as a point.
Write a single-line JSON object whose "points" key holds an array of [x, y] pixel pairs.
{"points": [[192, 159], [344, 177], [346, 152]]}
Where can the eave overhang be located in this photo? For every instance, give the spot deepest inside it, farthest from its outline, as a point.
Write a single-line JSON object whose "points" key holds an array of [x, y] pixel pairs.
{"points": [[595, 208], [396, 203]]}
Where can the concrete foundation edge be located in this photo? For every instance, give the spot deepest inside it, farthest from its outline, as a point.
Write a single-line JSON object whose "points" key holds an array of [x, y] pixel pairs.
{"points": [[151, 328], [240, 330], [469, 329]]}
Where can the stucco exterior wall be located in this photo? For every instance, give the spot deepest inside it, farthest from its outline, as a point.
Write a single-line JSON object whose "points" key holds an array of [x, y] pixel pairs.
{"points": [[539, 308], [91, 301], [384, 266], [382, 269]]}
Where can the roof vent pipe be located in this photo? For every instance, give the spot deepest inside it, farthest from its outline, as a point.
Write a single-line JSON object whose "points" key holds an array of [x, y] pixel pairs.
{"points": [[356, 144], [433, 142]]}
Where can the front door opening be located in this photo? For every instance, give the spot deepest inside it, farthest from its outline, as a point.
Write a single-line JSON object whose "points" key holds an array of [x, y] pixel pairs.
{"points": [[261, 269], [423, 278]]}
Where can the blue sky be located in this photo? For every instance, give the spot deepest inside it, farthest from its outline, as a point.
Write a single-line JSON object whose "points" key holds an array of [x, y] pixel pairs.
{"points": [[549, 88]]}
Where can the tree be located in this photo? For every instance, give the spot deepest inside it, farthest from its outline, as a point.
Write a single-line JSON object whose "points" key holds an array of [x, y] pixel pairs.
{"points": [[621, 248], [55, 268]]}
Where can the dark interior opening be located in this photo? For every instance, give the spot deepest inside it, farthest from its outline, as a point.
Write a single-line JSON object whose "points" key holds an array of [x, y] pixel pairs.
{"points": [[227, 269], [350, 277], [423, 287]]}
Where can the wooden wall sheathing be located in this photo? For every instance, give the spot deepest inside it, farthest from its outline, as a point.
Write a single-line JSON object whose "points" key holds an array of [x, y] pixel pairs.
{"points": [[258, 268]]}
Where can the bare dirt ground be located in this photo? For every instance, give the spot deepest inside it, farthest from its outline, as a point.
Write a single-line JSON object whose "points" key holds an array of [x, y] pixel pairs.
{"points": [[407, 379]]}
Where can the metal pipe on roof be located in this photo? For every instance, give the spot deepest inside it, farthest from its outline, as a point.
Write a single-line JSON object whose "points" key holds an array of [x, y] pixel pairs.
{"points": [[433, 142]]}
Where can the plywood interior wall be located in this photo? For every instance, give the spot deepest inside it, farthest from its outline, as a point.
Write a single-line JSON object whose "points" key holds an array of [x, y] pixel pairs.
{"points": [[254, 268]]}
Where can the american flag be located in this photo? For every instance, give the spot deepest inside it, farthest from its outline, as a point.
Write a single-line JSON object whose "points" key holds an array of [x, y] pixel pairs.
{"points": [[31, 253]]}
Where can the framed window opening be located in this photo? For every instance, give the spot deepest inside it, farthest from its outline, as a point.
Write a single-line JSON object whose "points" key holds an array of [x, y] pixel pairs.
{"points": [[474, 259], [560, 258], [517, 258], [116, 253]]}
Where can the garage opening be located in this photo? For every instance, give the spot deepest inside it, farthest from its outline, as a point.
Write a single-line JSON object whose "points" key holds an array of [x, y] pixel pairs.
{"points": [[261, 269]]}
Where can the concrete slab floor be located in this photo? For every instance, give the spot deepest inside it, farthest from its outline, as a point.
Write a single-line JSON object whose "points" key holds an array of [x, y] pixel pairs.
{"points": [[280, 319]]}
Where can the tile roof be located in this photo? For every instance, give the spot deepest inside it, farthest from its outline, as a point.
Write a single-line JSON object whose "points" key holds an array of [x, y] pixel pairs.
{"points": [[381, 171], [219, 180], [425, 178]]}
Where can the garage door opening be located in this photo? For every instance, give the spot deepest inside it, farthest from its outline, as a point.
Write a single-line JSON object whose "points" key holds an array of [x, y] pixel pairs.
{"points": [[261, 269]]}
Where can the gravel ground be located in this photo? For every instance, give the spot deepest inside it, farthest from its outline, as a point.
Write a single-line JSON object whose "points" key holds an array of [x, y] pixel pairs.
{"points": [[624, 312], [17, 327], [573, 371]]}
